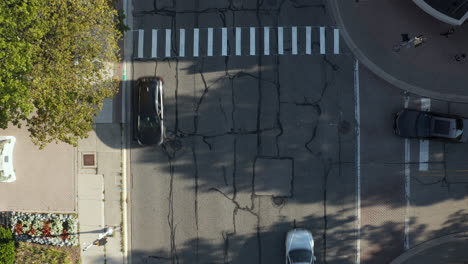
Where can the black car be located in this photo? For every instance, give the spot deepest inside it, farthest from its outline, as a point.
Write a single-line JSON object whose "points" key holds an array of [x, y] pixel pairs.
{"points": [[150, 111], [429, 125]]}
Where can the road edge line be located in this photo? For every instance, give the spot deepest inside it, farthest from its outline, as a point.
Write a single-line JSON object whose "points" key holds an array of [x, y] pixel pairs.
{"points": [[357, 116]]}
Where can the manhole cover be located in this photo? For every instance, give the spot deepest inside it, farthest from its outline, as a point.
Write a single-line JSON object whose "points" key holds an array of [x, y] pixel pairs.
{"points": [[278, 201], [88, 160]]}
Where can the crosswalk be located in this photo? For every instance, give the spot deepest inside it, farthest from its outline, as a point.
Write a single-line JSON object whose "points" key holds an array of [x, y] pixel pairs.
{"points": [[236, 41]]}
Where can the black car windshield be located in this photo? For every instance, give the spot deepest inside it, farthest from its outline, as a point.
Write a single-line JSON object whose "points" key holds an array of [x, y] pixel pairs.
{"points": [[423, 125], [300, 255]]}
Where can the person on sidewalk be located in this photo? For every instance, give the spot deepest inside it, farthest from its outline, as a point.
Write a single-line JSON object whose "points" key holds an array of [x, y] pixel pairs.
{"points": [[448, 32]]}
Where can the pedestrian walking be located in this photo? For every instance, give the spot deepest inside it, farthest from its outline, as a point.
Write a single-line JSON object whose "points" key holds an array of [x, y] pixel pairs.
{"points": [[460, 57], [418, 41], [448, 32], [407, 42]]}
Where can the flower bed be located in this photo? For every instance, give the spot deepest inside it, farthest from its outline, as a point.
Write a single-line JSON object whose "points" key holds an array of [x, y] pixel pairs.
{"points": [[45, 229]]}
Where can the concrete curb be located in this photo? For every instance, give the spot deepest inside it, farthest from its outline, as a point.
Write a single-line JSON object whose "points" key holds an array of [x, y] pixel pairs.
{"points": [[334, 7], [126, 208], [457, 237]]}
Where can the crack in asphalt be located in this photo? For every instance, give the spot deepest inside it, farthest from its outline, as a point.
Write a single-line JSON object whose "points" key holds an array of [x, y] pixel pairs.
{"points": [[195, 162], [234, 131], [170, 216], [327, 169], [225, 247]]}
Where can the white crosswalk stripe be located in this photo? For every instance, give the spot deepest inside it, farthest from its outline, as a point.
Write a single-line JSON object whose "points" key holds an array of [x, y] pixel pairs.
{"points": [[168, 43], [182, 43], [154, 43], [266, 41], [322, 40], [191, 42], [140, 42], [294, 40], [280, 41], [196, 41], [252, 41], [308, 40], [224, 41], [210, 42]]}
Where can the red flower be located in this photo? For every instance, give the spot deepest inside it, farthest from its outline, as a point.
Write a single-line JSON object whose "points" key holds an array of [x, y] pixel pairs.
{"points": [[32, 231], [46, 229], [19, 228], [64, 234]]}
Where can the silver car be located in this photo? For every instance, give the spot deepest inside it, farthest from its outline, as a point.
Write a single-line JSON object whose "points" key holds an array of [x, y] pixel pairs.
{"points": [[299, 247]]}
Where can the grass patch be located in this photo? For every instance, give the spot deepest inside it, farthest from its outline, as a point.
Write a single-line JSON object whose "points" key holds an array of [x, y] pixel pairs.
{"points": [[41, 254]]}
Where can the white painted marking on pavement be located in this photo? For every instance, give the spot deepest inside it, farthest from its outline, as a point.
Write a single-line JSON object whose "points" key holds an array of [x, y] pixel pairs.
{"points": [[238, 41], [294, 40], [252, 41], [407, 185], [336, 41], [154, 43], [196, 34], [308, 40], [357, 116], [224, 41], [280, 41], [168, 42], [424, 144], [266, 41], [322, 40], [182, 43], [210, 42], [140, 43]]}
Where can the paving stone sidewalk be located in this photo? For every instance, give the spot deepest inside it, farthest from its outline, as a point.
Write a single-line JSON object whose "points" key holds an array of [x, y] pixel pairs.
{"points": [[99, 192]]}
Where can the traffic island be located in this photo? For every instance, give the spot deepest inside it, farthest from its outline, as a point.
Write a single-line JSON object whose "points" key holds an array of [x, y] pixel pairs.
{"points": [[428, 61]]}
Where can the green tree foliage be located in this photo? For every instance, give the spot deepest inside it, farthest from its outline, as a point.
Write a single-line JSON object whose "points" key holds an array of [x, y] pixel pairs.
{"points": [[7, 246], [59, 73], [18, 33]]}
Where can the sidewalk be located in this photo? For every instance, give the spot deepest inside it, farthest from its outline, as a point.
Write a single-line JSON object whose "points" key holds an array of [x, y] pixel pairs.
{"points": [[99, 189], [372, 28], [446, 249]]}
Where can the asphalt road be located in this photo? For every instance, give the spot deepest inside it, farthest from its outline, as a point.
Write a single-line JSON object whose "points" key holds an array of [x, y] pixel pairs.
{"points": [[260, 144]]}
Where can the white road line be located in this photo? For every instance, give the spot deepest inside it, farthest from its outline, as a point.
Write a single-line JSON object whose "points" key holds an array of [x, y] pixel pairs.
{"points": [[196, 34], [424, 144], [266, 41], [357, 116], [308, 40], [182, 43], [210, 42], [140, 43], [252, 41], [294, 40], [280, 41], [168, 42], [407, 185], [322, 40], [336, 41], [238, 41], [154, 43], [224, 41]]}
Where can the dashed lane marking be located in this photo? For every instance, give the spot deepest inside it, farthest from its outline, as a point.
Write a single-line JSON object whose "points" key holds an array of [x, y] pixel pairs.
{"points": [[424, 144]]}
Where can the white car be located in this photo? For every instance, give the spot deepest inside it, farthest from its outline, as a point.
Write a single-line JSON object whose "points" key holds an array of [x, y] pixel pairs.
{"points": [[299, 247], [7, 171]]}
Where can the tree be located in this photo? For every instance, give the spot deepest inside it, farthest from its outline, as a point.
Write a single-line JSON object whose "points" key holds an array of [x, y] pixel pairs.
{"points": [[65, 78], [7, 246], [18, 32]]}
